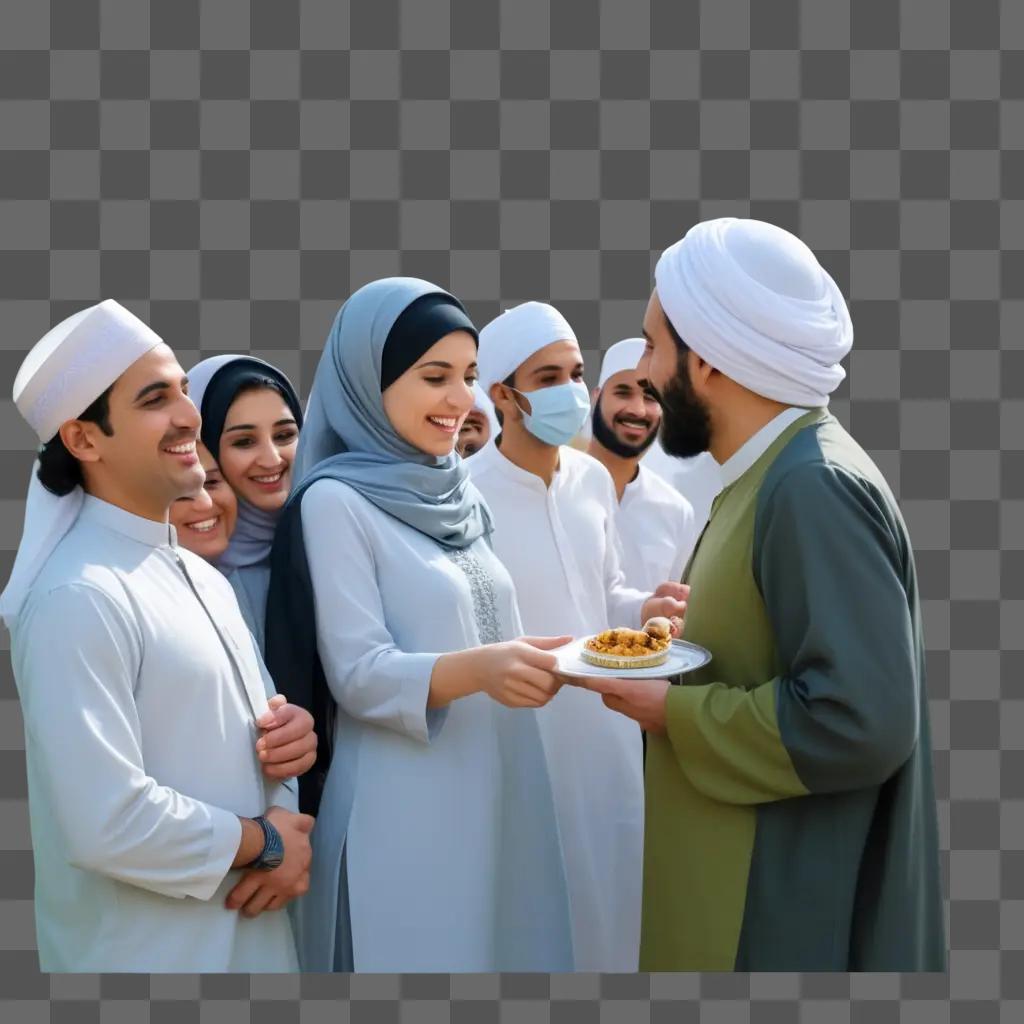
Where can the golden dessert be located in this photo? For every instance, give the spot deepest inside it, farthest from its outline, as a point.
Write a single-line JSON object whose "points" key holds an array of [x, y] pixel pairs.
{"points": [[626, 649]]}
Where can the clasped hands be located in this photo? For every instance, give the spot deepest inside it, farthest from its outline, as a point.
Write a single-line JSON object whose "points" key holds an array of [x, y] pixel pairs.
{"points": [[286, 749]]}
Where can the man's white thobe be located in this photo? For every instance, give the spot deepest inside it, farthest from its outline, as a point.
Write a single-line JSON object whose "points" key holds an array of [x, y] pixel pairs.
{"points": [[656, 529], [139, 734], [559, 544], [698, 479]]}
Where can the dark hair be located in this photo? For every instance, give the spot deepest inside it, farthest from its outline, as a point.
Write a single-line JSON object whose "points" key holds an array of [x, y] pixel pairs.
{"points": [[59, 471], [509, 382]]}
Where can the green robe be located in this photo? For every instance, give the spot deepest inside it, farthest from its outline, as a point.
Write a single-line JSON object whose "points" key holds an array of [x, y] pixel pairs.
{"points": [[791, 816]]}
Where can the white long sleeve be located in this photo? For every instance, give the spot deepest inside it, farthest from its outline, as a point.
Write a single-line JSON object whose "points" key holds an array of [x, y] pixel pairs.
{"points": [[84, 732], [370, 678]]}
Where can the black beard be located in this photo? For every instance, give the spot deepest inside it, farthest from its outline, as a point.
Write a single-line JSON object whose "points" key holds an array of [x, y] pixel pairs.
{"points": [[685, 421], [606, 437]]}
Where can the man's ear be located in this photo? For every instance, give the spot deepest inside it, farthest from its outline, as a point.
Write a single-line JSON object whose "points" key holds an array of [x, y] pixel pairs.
{"points": [[502, 399], [594, 396], [700, 369], [78, 437]]}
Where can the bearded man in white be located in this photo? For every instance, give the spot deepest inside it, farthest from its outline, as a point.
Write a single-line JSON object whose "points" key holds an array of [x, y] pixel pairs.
{"points": [[655, 522]]}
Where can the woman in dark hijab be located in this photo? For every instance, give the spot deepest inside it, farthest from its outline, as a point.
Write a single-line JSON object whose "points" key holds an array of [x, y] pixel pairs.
{"points": [[251, 422]]}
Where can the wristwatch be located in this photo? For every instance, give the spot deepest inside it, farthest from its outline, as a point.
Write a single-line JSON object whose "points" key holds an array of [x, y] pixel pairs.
{"points": [[272, 853]]}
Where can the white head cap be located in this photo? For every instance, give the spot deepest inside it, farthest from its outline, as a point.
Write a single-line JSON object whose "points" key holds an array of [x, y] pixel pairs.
{"points": [[62, 375], [76, 361], [510, 339], [623, 355]]}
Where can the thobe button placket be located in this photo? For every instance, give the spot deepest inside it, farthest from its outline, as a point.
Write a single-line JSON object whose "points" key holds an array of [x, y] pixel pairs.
{"points": [[563, 545], [232, 655]]}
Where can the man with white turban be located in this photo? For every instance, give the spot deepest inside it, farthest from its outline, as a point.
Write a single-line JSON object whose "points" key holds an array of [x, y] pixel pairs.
{"points": [[144, 700], [791, 817], [655, 522], [554, 512]]}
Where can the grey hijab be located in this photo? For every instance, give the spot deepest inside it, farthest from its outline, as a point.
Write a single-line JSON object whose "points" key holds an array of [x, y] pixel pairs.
{"points": [[347, 436]]}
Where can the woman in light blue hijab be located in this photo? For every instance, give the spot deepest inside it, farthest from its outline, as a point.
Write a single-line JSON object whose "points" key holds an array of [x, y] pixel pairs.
{"points": [[390, 618]]}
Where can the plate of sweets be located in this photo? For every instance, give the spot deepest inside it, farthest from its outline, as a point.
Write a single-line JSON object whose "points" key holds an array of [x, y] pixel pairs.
{"points": [[648, 653]]}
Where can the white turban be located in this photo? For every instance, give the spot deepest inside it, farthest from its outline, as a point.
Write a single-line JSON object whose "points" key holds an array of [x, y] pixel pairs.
{"points": [[753, 301], [510, 339], [62, 375], [623, 355]]}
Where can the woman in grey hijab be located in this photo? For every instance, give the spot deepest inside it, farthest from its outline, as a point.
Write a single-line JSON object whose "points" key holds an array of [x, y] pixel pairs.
{"points": [[436, 847], [251, 421]]}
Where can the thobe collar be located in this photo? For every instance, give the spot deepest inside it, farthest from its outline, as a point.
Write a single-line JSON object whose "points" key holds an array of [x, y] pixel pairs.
{"points": [[737, 464], [636, 485], [137, 528], [491, 454]]}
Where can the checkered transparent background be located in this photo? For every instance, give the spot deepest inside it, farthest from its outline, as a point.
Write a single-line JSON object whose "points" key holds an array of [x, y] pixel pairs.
{"points": [[233, 170]]}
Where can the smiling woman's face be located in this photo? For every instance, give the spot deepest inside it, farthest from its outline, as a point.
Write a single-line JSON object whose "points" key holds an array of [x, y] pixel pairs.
{"points": [[429, 402], [206, 521], [257, 448]]}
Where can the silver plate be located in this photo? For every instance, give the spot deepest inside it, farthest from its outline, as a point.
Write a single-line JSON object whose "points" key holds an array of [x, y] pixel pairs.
{"points": [[682, 657]]}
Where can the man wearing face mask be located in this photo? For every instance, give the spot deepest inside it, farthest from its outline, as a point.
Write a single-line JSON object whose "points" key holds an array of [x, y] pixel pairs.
{"points": [[554, 510], [655, 522]]}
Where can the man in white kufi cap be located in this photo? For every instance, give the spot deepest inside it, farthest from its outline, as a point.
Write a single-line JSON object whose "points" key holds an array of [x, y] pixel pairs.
{"points": [[655, 522], [554, 510], [142, 693], [698, 478], [791, 817], [479, 426]]}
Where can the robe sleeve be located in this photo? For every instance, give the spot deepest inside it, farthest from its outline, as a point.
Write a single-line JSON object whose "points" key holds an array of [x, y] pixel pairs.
{"points": [[84, 734], [625, 604], [284, 793], [843, 714], [369, 677]]}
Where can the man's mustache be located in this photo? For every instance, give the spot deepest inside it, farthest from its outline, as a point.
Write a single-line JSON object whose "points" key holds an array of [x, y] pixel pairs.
{"points": [[179, 437]]}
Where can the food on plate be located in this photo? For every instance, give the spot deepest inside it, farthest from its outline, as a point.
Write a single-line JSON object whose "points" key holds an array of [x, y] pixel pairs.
{"points": [[660, 628], [623, 648]]}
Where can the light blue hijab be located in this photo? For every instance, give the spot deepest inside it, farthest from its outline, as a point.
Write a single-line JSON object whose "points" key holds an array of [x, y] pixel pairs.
{"points": [[348, 437]]}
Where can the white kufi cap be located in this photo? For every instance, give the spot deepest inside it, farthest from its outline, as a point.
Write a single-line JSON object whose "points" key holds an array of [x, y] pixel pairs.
{"points": [[510, 339], [75, 362], [62, 375], [623, 355]]}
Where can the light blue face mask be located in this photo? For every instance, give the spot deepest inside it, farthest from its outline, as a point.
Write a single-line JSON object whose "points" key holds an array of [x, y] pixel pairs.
{"points": [[559, 412]]}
